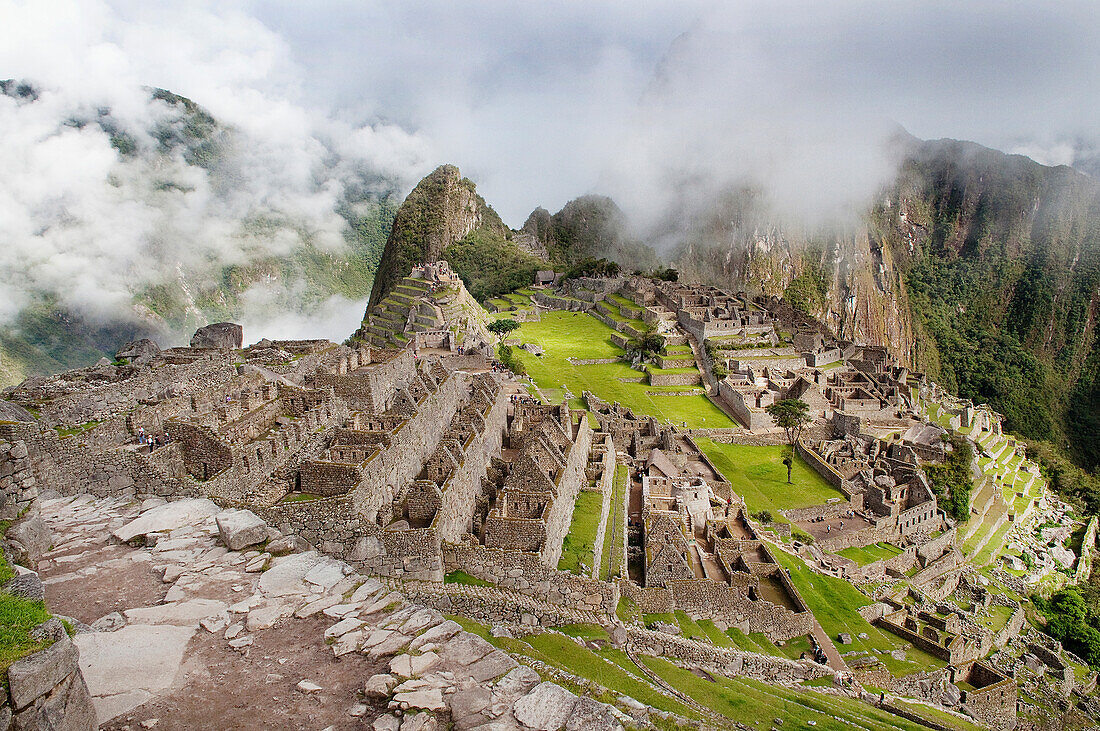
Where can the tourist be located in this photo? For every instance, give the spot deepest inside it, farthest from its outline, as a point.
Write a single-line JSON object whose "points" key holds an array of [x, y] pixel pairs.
{"points": [[141, 435]]}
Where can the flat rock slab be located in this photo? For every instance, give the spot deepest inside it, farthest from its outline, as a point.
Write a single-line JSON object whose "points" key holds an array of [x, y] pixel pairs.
{"points": [[167, 517], [546, 708], [127, 667], [184, 614], [286, 573]]}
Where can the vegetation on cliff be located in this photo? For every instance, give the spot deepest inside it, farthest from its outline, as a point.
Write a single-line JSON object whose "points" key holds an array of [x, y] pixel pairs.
{"points": [[441, 210], [951, 481], [490, 265]]}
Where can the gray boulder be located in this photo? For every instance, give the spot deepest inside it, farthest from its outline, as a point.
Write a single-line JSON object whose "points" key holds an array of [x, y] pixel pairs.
{"points": [[138, 352], [37, 674], [27, 586], [240, 528], [30, 538], [14, 412], [219, 335], [547, 707]]}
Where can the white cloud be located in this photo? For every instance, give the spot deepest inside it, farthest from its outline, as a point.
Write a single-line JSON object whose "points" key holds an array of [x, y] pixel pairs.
{"points": [[659, 105]]}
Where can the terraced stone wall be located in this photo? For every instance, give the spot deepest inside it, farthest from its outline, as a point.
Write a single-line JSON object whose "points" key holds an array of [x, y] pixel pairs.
{"points": [[526, 572]]}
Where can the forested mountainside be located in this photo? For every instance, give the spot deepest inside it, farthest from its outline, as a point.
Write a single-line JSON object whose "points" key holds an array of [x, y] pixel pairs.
{"points": [[205, 246], [978, 267]]}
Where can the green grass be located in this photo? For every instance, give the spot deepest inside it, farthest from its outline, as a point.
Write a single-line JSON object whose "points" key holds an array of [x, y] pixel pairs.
{"points": [[300, 497], [752, 702], [689, 627], [616, 522], [758, 475], [869, 554], [835, 604], [938, 716], [73, 431], [579, 547], [584, 631], [461, 577], [17, 618], [715, 635], [565, 335]]}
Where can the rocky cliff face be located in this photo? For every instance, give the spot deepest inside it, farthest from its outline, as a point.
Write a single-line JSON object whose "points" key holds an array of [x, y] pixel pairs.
{"points": [[589, 227], [442, 209], [980, 268]]}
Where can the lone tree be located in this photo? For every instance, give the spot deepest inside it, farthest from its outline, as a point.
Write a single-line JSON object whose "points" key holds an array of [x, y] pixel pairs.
{"points": [[644, 348], [503, 327], [792, 415]]}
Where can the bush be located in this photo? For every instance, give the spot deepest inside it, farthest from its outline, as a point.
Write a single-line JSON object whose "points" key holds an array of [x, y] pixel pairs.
{"points": [[489, 265], [763, 516], [593, 268], [951, 481]]}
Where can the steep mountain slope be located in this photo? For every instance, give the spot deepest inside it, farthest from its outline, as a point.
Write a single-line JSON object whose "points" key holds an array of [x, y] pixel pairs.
{"points": [[444, 217], [979, 267], [442, 209], [164, 219], [589, 227]]}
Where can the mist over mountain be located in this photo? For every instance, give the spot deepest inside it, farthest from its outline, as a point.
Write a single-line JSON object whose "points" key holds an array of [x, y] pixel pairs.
{"points": [[150, 222]]}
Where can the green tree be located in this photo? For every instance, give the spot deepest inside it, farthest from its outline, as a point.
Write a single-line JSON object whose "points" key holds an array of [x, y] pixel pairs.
{"points": [[503, 327], [644, 348], [792, 415]]}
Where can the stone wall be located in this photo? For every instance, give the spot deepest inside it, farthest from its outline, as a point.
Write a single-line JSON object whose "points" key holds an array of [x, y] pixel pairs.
{"points": [[823, 468], [412, 443], [606, 488], [526, 572], [732, 663], [455, 517], [46, 690], [573, 477], [674, 379], [32, 461], [704, 598]]}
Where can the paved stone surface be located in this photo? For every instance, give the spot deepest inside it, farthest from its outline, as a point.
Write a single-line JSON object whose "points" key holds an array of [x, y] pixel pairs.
{"points": [[167, 517], [126, 667]]}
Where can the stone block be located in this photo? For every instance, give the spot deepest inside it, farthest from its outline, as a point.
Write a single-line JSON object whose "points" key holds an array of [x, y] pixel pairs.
{"points": [[37, 674], [240, 528]]}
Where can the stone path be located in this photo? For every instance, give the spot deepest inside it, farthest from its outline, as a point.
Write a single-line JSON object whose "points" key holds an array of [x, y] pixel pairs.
{"points": [[177, 631]]}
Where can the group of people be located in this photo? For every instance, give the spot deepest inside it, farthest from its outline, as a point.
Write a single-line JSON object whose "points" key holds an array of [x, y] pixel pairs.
{"points": [[152, 441], [520, 398]]}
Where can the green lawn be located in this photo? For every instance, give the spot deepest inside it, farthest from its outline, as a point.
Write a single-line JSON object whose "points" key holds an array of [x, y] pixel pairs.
{"points": [[835, 603], [461, 577], [578, 335], [869, 554], [751, 702], [579, 548], [17, 618], [616, 524], [758, 475]]}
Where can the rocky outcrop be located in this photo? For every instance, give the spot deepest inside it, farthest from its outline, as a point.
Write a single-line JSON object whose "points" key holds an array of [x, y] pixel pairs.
{"points": [[139, 352], [225, 335], [47, 690], [28, 538], [443, 208]]}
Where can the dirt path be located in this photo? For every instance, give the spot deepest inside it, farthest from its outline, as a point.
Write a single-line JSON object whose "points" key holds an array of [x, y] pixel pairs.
{"points": [[209, 684]]}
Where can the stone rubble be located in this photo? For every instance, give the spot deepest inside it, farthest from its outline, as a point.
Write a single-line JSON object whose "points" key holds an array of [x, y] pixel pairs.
{"points": [[439, 675]]}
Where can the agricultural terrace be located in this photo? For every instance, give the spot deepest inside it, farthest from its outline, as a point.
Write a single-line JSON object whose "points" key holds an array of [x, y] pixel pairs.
{"points": [[760, 477], [577, 335], [835, 603]]}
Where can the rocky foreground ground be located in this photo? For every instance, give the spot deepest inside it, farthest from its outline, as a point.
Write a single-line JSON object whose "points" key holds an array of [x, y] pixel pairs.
{"points": [[176, 630]]}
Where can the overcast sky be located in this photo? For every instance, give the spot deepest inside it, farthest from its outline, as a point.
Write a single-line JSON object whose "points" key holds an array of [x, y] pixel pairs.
{"points": [[655, 103], [540, 102]]}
